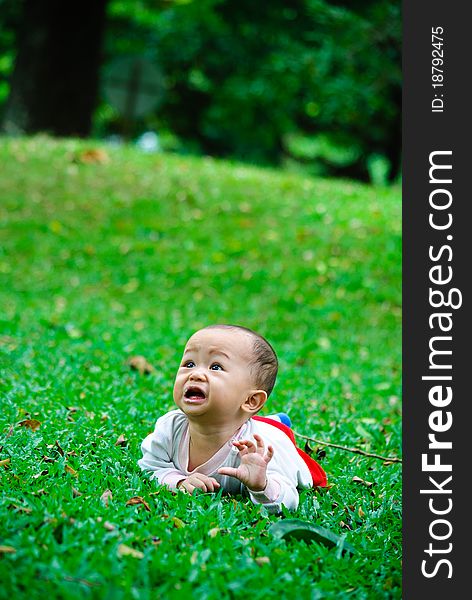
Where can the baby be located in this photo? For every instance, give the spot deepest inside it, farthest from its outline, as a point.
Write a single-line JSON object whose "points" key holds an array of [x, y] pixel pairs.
{"points": [[214, 439]]}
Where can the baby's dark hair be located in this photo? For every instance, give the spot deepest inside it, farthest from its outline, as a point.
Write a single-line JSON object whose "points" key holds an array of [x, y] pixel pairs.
{"points": [[264, 364]]}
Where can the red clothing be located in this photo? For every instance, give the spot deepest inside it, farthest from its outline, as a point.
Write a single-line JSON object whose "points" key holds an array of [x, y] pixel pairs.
{"points": [[317, 473]]}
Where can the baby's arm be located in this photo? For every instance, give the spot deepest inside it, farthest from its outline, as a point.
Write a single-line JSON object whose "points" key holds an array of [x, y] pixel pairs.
{"points": [[157, 453], [266, 480], [157, 457]]}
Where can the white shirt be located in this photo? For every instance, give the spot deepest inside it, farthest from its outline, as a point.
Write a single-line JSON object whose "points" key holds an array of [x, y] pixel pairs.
{"points": [[165, 454]]}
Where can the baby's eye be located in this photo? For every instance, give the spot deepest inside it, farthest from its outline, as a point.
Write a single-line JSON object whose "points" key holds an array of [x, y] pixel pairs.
{"points": [[216, 367], [189, 364]]}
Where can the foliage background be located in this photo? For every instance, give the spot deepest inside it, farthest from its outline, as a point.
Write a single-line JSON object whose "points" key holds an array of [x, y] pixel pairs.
{"points": [[311, 85]]}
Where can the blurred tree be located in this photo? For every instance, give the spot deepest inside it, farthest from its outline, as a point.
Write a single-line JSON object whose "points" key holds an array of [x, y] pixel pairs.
{"points": [[357, 87], [251, 80], [55, 78], [313, 84], [10, 12], [376, 39]]}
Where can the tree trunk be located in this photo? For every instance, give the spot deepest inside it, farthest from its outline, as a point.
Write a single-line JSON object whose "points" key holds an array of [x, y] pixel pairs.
{"points": [[394, 143], [54, 86]]}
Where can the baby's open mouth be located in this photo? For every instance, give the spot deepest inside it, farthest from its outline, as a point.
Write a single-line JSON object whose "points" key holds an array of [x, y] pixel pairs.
{"points": [[194, 393]]}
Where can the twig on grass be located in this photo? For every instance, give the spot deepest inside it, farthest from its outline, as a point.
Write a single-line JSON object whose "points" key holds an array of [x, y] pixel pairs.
{"points": [[81, 580], [392, 459]]}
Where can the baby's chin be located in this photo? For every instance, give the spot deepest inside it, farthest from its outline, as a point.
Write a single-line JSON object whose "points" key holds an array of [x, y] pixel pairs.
{"points": [[192, 405]]}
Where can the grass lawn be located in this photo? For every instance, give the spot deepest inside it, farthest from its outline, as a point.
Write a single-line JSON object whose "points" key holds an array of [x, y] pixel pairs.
{"points": [[103, 257]]}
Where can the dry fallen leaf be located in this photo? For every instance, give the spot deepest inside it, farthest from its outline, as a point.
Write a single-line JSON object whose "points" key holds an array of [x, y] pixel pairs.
{"points": [[48, 459], [5, 462], [124, 550], [32, 424], [76, 493], [356, 479], [135, 500], [345, 525], [106, 497], [140, 364], [6, 340], [71, 471], [360, 512], [7, 550], [262, 560], [93, 155], [121, 441], [214, 532], [59, 449], [178, 523], [109, 526]]}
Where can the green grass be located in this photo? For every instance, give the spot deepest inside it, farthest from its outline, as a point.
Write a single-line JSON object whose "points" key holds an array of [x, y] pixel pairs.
{"points": [[99, 262]]}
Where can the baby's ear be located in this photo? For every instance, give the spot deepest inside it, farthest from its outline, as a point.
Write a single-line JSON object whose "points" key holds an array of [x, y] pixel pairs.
{"points": [[255, 401]]}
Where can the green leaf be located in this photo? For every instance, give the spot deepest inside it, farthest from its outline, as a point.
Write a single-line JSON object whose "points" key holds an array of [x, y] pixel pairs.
{"points": [[304, 530]]}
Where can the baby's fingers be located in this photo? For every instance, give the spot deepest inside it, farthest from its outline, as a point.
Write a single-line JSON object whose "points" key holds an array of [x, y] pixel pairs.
{"points": [[196, 482], [211, 484], [260, 443], [231, 471], [269, 455], [245, 446], [187, 487], [215, 484]]}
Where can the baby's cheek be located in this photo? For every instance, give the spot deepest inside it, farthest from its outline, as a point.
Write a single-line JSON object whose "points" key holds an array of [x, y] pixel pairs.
{"points": [[177, 391]]}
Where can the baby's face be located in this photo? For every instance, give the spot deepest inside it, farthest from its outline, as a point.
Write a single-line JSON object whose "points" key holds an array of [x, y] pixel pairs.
{"points": [[214, 378]]}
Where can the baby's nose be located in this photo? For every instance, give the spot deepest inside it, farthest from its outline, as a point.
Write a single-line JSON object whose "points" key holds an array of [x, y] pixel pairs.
{"points": [[197, 375]]}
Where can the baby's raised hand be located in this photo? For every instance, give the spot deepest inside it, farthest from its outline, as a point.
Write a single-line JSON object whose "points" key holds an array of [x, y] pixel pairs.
{"points": [[253, 467], [198, 481]]}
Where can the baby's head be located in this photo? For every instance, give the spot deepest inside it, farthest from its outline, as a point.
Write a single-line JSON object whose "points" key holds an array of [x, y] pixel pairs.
{"points": [[226, 374]]}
